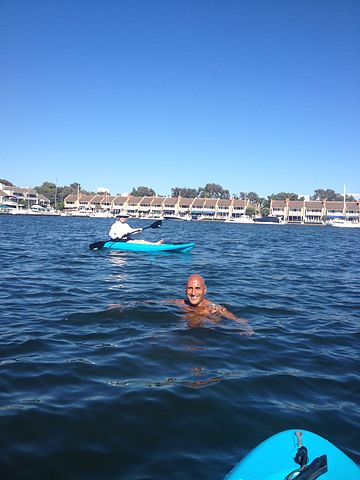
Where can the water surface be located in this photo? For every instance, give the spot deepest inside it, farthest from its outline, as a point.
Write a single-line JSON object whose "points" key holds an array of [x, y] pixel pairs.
{"points": [[89, 392]]}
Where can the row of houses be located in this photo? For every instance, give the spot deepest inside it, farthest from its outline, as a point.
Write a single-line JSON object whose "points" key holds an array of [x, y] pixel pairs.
{"points": [[300, 211], [157, 206], [293, 211], [316, 211], [16, 197]]}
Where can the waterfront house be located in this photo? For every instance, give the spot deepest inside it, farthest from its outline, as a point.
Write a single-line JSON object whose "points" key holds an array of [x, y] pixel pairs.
{"points": [[334, 210], [71, 202], [16, 197], [197, 206], [84, 201], [314, 211], [352, 211], [294, 212], [119, 203], [43, 201], [3, 196], [209, 208], [279, 209], [185, 205], [7, 202], [156, 207], [95, 202], [298, 211], [106, 202], [144, 206], [238, 208], [170, 206], [133, 205], [224, 208]]}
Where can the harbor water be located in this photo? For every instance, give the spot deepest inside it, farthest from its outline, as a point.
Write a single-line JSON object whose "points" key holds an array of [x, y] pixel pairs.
{"points": [[134, 392]]}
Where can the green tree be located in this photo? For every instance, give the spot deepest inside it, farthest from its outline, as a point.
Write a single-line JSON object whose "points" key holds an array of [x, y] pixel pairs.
{"points": [[264, 211], [251, 211], [56, 194], [213, 190], [329, 194], [142, 192], [6, 182], [184, 192], [350, 198], [47, 189], [284, 196], [253, 197], [76, 187], [63, 192], [265, 203]]}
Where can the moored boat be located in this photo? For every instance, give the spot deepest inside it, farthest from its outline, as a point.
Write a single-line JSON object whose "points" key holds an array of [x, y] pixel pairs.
{"points": [[76, 213], [177, 217], [241, 219], [345, 224], [269, 220], [102, 214]]}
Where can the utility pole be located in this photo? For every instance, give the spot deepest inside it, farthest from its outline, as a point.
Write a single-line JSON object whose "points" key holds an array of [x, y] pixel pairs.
{"points": [[55, 200]]}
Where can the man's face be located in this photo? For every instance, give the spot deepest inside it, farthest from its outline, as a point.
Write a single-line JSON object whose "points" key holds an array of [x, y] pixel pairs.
{"points": [[195, 290]]}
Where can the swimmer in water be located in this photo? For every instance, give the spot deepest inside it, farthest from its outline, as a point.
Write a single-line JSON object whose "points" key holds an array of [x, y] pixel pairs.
{"points": [[198, 308]]}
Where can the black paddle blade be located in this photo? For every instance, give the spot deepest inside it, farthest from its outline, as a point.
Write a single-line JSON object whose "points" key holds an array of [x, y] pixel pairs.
{"points": [[96, 245], [156, 224]]}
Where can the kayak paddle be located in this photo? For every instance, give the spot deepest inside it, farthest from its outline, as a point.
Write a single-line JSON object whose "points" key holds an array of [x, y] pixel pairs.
{"points": [[100, 244]]}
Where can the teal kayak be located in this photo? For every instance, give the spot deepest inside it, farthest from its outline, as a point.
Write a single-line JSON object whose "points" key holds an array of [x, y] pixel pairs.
{"points": [[144, 247], [274, 459]]}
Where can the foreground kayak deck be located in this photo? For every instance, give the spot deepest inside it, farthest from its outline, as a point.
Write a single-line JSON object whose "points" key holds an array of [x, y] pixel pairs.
{"points": [[273, 459], [150, 247]]}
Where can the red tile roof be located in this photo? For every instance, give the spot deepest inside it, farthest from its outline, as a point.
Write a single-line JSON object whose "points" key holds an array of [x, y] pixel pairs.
{"points": [[296, 203], [170, 201], [119, 200], [210, 202], [238, 203], [198, 202], [185, 202], [314, 204], [224, 202], [134, 200]]}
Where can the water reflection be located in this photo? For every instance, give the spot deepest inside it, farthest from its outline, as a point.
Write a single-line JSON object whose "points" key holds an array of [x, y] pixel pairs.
{"points": [[203, 378], [117, 260], [121, 275]]}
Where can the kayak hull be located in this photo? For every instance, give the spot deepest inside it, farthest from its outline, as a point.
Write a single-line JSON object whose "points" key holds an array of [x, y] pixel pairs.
{"points": [[149, 247], [273, 459]]}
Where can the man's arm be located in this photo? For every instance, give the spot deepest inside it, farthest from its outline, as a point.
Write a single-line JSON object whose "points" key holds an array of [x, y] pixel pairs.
{"points": [[227, 314], [224, 312]]}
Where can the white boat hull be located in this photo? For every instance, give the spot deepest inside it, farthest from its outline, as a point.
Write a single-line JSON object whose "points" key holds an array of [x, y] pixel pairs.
{"points": [[345, 224], [239, 220]]}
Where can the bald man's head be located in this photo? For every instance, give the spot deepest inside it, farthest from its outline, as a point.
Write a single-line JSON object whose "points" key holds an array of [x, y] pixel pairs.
{"points": [[195, 289]]}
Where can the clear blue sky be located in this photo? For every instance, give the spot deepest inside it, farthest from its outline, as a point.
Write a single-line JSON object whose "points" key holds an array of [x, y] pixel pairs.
{"points": [[255, 95]]}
